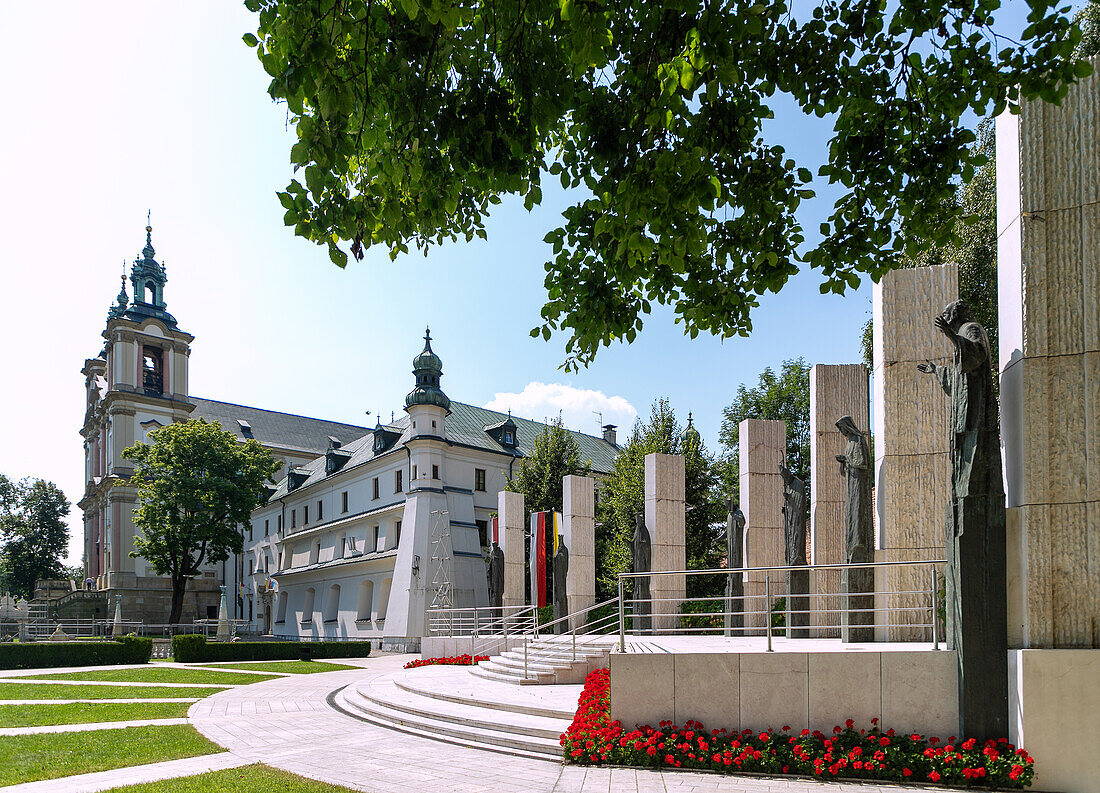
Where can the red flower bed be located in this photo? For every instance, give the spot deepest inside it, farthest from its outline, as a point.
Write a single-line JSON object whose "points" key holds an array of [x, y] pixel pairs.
{"points": [[593, 738], [454, 660]]}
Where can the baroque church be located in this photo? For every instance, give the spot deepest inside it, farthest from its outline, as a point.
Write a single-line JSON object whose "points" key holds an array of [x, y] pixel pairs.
{"points": [[364, 525]]}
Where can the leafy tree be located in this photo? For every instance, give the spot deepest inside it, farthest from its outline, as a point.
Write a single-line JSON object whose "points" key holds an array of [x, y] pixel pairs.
{"points": [[554, 455], [196, 486], [784, 396], [1089, 20], [974, 250], [623, 496], [414, 117], [33, 531]]}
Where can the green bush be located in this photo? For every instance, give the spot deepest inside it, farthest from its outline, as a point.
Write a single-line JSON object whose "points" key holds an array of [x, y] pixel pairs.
{"points": [[38, 655], [195, 649]]}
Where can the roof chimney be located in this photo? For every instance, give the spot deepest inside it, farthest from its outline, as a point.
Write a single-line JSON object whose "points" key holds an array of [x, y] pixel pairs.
{"points": [[609, 434]]}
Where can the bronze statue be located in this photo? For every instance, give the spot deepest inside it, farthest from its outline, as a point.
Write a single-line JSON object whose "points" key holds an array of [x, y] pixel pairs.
{"points": [[642, 552], [977, 618], [858, 584], [495, 575], [561, 574], [735, 559], [794, 533]]}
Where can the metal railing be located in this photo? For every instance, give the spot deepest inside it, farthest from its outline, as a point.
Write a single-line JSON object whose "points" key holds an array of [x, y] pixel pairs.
{"points": [[824, 610], [481, 620], [555, 645]]}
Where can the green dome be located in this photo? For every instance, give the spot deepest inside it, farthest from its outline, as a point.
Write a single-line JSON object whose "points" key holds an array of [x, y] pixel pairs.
{"points": [[427, 367]]}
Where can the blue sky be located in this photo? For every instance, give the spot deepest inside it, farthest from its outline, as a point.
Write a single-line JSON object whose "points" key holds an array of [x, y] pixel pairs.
{"points": [[116, 108]]}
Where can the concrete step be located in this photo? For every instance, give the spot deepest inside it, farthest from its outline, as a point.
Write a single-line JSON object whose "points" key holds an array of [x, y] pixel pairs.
{"points": [[409, 684], [510, 674], [454, 723]]}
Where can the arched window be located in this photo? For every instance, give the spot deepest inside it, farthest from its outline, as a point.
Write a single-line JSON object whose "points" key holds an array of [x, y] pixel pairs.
{"points": [[384, 599], [366, 601], [332, 603], [150, 293], [307, 608]]}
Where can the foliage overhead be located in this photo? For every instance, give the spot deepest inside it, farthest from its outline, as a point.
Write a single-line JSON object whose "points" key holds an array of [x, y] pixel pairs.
{"points": [[623, 496], [33, 533], [554, 455], [196, 486], [414, 117], [778, 397], [1089, 20]]}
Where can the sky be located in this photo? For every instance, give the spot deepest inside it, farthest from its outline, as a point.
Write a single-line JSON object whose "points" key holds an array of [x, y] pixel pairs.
{"points": [[116, 108]]}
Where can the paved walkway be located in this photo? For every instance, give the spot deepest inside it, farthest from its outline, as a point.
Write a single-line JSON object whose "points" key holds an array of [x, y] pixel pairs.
{"points": [[136, 774]]}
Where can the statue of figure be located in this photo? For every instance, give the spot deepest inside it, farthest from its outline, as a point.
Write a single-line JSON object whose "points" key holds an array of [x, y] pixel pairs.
{"points": [[735, 558], [977, 618], [794, 534], [858, 584], [642, 560], [495, 575], [561, 573]]}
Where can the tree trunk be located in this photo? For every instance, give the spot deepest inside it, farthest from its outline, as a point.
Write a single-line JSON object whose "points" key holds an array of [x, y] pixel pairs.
{"points": [[179, 586]]}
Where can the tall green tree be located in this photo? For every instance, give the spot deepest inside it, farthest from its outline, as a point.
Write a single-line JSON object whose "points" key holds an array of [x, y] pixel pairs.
{"points": [[1089, 20], [33, 534], [414, 117], [554, 455], [784, 396], [623, 496], [197, 486]]}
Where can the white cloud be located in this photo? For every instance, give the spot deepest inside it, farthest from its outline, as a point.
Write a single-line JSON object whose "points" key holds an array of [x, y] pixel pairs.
{"points": [[577, 406]]}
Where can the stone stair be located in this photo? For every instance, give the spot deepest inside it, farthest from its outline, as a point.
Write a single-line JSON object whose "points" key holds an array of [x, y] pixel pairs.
{"points": [[550, 661], [451, 705]]}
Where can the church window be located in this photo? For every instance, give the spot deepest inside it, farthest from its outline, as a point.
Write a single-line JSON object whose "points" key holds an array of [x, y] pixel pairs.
{"points": [[344, 500], [266, 527], [293, 518], [278, 523], [483, 532], [398, 485], [320, 510], [377, 535], [396, 533], [479, 479], [374, 488], [251, 566], [414, 472], [305, 515], [435, 472], [152, 375]]}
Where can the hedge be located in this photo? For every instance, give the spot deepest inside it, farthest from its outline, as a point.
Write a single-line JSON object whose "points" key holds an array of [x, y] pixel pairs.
{"points": [[189, 649], [36, 655]]}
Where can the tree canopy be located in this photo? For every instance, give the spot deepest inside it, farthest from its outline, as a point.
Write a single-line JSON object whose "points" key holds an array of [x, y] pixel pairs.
{"points": [[197, 485], [34, 537], [414, 117], [784, 396], [554, 455]]}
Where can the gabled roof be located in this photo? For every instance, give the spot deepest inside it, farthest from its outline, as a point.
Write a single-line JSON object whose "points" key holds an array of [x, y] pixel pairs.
{"points": [[279, 429], [466, 426]]}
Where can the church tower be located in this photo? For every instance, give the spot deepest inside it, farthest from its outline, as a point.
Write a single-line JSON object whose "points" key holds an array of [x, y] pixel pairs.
{"points": [[137, 383]]}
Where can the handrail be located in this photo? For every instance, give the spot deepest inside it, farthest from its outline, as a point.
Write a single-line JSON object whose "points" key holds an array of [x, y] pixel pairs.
{"points": [[785, 567]]}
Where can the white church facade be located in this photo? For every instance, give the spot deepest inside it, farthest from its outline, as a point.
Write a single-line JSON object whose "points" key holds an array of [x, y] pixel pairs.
{"points": [[364, 525]]}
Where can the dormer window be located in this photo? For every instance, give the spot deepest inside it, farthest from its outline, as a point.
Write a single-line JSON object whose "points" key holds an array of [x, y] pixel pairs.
{"points": [[509, 438], [379, 442], [246, 428]]}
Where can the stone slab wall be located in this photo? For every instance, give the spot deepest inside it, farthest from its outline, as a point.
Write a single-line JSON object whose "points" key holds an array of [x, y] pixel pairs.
{"points": [[579, 535], [666, 520], [906, 691], [912, 474], [510, 520], [1048, 222], [762, 447], [835, 390]]}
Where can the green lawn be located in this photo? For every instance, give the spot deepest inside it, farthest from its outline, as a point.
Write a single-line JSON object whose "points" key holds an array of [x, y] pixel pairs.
{"points": [[26, 758], [68, 691], [289, 667], [153, 674], [246, 779], [86, 712]]}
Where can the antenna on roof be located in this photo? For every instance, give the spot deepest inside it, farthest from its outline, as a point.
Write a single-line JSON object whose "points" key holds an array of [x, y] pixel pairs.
{"points": [[599, 418]]}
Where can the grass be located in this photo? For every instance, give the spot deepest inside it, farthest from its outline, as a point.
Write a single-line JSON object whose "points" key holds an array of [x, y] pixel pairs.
{"points": [[26, 758], [246, 779], [86, 713], [152, 674], [68, 691], [289, 667]]}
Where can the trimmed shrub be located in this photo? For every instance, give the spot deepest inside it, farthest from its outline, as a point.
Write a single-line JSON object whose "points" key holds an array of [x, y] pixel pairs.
{"points": [[40, 655], [189, 649]]}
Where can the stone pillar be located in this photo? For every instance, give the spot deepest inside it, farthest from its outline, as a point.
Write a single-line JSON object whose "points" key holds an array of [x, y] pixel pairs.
{"points": [[223, 618], [578, 530], [665, 519], [1048, 253], [510, 539], [912, 472], [763, 446], [835, 391]]}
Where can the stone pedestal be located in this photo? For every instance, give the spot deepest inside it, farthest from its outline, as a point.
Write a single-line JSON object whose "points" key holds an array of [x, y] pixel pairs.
{"points": [[579, 535], [835, 390], [223, 619], [666, 521], [763, 446], [1048, 253], [912, 472], [510, 523]]}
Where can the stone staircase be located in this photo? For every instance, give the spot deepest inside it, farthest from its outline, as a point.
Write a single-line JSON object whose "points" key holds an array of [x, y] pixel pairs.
{"points": [[552, 660], [450, 704]]}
